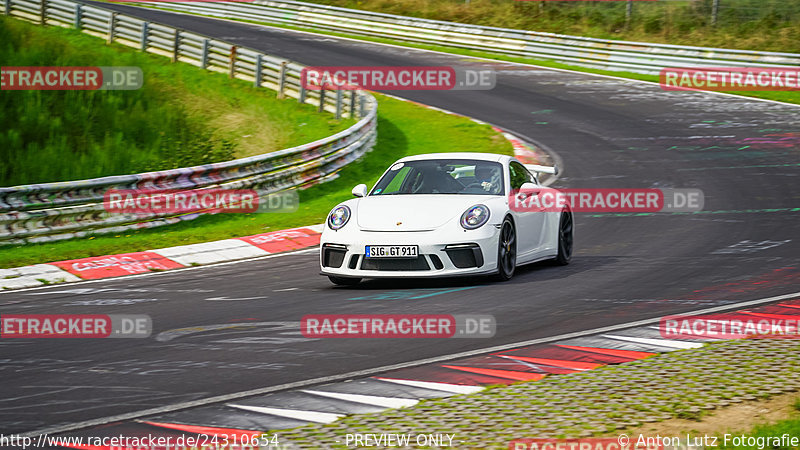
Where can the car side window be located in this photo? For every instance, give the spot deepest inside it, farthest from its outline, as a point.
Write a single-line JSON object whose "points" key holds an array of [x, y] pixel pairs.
{"points": [[518, 175]]}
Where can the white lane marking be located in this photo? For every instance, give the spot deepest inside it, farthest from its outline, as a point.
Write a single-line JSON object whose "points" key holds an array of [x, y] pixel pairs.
{"points": [[386, 402], [166, 336], [213, 299], [376, 370], [285, 290], [165, 273], [658, 342], [445, 387], [552, 363], [307, 416], [80, 291]]}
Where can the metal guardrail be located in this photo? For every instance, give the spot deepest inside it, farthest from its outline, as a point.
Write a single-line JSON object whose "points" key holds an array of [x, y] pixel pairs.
{"points": [[52, 211], [637, 57]]}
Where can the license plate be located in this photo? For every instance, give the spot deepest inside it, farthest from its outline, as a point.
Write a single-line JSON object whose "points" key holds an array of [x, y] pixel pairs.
{"points": [[392, 251]]}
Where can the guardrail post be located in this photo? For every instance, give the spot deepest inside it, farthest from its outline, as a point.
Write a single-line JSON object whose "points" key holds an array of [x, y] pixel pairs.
{"points": [[112, 20], [204, 55], [628, 13], [302, 97], [352, 104], [321, 106], [78, 16], [339, 94], [176, 46], [714, 12], [144, 37], [43, 13], [257, 71], [232, 63], [8, 7], [282, 80], [362, 105]]}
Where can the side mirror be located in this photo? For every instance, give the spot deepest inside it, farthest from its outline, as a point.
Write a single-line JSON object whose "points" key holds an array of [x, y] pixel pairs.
{"points": [[527, 190], [360, 190]]}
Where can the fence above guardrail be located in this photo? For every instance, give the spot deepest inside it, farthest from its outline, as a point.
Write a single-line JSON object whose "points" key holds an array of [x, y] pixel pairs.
{"points": [[637, 57], [53, 211]]}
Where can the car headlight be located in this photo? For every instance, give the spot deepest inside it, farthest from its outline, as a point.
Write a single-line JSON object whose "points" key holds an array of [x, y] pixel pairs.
{"points": [[338, 217], [475, 217]]}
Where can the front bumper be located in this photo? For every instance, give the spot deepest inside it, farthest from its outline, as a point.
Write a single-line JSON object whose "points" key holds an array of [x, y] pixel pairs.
{"points": [[441, 254]]}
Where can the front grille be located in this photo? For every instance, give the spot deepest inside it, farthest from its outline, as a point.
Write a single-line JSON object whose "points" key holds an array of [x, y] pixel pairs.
{"points": [[390, 264], [353, 262]]}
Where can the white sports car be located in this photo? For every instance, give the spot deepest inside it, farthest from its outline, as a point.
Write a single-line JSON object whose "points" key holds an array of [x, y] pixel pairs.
{"points": [[445, 214]]}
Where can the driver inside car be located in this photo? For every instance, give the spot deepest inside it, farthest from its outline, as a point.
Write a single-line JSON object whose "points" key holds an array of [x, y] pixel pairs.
{"points": [[485, 177]]}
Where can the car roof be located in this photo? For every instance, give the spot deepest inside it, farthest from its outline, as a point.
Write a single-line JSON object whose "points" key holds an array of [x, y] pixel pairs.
{"points": [[458, 155]]}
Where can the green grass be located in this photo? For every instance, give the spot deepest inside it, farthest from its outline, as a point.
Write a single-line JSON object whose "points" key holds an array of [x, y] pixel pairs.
{"points": [[399, 134], [771, 25], [182, 116]]}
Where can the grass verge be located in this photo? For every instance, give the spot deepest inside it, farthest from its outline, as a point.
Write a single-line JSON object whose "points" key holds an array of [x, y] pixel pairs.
{"points": [[182, 116], [399, 134]]}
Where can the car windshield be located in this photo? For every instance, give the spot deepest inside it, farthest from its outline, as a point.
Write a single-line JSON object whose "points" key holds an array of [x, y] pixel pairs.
{"points": [[440, 176]]}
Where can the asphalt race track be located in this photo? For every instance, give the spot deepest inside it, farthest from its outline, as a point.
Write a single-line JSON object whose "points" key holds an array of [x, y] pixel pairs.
{"points": [[744, 154]]}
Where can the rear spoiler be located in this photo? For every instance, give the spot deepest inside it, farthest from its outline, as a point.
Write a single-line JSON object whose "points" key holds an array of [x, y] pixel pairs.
{"points": [[542, 169]]}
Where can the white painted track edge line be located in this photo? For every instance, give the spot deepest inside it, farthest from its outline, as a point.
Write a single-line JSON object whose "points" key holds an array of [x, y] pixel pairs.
{"points": [[296, 414], [666, 343], [369, 372], [435, 385], [366, 399]]}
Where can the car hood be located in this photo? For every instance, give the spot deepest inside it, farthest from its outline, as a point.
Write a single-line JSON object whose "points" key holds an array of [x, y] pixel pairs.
{"points": [[412, 212]]}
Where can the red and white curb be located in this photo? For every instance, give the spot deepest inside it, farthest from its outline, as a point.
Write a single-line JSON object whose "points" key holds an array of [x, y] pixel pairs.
{"points": [[35, 275], [162, 259]]}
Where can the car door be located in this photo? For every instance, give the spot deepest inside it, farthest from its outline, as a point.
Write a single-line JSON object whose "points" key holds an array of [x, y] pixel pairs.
{"points": [[529, 221]]}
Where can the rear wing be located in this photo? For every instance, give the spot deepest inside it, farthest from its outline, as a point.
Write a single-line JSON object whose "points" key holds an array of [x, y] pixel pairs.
{"points": [[535, 168]]}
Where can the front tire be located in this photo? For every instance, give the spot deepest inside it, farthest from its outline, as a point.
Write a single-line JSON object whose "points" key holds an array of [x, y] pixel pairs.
{"points": [[565, 239], [506, 251], [344, 281]]}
